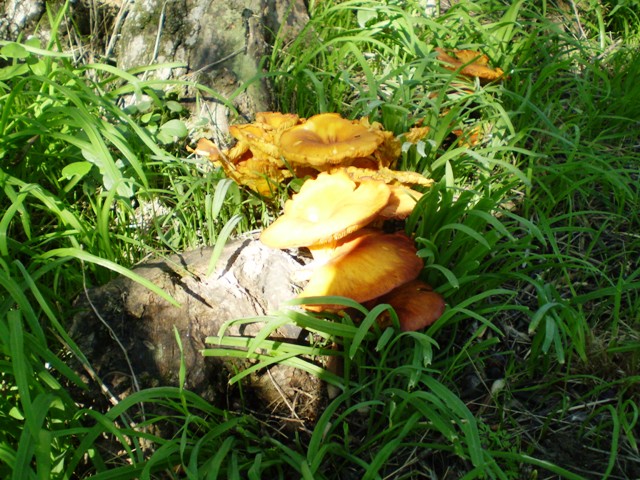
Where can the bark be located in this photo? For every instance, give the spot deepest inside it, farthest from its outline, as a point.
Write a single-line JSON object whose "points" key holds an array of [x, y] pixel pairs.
{"points": [[222, 44], [250, 279], [18, 16]]}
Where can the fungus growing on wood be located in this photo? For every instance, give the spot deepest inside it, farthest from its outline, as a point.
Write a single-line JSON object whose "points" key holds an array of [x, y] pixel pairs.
{"points": [[416, 304], [333, 214], [326, 209], [308, 146], [470, 63], [365, 265]]}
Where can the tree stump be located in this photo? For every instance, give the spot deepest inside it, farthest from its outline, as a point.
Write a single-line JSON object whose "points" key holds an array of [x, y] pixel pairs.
{"points": [[124, 329]]}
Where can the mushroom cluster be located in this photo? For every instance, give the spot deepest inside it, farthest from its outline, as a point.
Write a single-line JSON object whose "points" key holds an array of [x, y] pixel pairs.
{"points": [[337, 217], [351, 189], [279, 146]]}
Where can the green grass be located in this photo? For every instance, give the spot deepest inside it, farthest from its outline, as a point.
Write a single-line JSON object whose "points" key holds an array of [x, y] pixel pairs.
{"points": [[530, 235]]}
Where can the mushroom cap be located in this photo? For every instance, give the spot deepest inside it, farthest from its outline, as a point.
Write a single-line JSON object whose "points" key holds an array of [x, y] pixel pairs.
{"points": [[415, 134], [261, 135], [259, 174], [389, 149], [328, 139], [416, 304], [258, 138], [364, 266], [276, 120], [327, 208], [401, 202], [206, 148], [470, 63], [386, 175]]}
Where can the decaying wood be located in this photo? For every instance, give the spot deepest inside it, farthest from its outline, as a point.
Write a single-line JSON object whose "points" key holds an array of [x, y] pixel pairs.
{"points": [[249, 279]]}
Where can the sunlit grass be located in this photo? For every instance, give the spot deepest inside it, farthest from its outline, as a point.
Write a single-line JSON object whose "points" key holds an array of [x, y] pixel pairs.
{"points": [[530, 235], [531, 231], [88, 190]]}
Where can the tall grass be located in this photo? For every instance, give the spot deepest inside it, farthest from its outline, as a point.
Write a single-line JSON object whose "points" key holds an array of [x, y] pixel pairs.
{"points": [[523, 233], [529, 234], [89, 188]]}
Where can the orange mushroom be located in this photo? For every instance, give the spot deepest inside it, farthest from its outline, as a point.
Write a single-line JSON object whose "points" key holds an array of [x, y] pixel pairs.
{"points": [[365, 265], [260, 173], [388, 151], [470, 64], [401, 203], [326, 209], [276, 120], [415, 134], [260, 136], [257, 138], [387, 175], [327, 140], [416, 304]]}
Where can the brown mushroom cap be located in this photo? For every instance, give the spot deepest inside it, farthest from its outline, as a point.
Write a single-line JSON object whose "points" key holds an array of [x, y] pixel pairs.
{"points": [[416, 304], [366, 265], [328, 139], [326, 208]]}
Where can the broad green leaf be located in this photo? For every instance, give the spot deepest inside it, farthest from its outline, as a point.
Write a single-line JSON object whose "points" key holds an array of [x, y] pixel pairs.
{"points": [[14, 50], [171, 131], [174, 106], [76, 169]]}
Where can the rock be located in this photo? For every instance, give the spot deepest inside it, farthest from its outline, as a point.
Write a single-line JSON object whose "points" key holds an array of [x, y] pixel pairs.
{"points": [[249, 280]]}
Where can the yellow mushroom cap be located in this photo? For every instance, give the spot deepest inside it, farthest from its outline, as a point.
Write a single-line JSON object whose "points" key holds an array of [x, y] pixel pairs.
{"points": [[327, 208], [328, 139], [366, 265], [416, 304], [386, 175]]}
